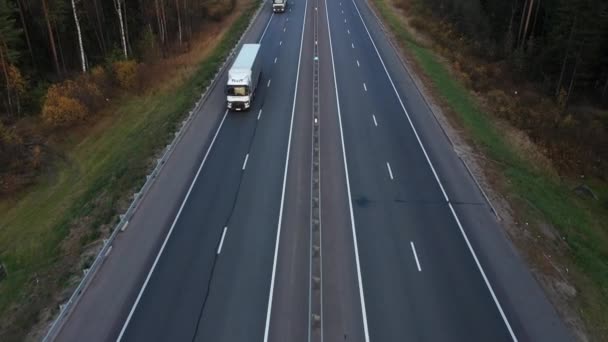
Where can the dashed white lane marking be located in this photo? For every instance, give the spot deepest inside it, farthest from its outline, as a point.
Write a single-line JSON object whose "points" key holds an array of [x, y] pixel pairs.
{"points": [[464, 235], [284, 28], [259, 114], [275, 60], [364, 86], [245, 162], [390, 171], [345, 21], [219, 248], [348, 31], [373, 117], [280, 221], [163, 246], [268, 85], [350, 200], [353, 45], [359, 65], [415, 256], [281, 42]]}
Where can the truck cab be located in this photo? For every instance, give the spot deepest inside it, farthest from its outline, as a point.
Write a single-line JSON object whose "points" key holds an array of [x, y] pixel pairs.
{"points": [[238, 93], [279, 5]]}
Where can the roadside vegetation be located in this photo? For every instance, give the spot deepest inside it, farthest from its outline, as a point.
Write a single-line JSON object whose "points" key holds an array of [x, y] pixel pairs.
{"points": [[527, 83], [84, 134]]}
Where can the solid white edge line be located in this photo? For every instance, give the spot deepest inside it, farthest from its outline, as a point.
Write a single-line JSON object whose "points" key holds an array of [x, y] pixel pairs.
{"points": [[219, 248], [415, 256], [350, 201], [375, 122], [266, 28], [259, 114], [245, 162], [162, 248], [276, 246], [464, 235], [390, 171]]}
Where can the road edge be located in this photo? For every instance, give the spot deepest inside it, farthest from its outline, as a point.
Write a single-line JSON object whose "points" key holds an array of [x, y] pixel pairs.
{"points": [[66, 308]]}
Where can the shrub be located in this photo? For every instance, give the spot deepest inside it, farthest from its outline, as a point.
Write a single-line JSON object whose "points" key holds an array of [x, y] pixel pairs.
{"points": [[71, 101], [61, 107], [125, 73]]}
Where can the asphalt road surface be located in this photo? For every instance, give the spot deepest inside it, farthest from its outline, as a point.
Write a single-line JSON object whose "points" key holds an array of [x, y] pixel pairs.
{"points": [[233, 243]]}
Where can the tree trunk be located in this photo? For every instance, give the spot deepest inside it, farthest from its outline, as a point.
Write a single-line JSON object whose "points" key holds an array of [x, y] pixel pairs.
{"points": [[26, 32], [51, 36], [561, 75], [8, 83], [535, 16], [61, 58], [161, 33], [521, 22], [163, 19], [80, 46], [126, 21], [525, 34], [123, 39], [100, 26], [572, 81], [179, 22]]}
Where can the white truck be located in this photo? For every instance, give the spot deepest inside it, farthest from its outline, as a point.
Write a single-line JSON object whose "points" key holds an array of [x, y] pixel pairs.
{"points": [[279, 5], [243, 78]]}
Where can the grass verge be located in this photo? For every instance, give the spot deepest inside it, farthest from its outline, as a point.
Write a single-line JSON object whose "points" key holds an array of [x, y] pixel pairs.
{"points": [[538, 196], [44, 232]]}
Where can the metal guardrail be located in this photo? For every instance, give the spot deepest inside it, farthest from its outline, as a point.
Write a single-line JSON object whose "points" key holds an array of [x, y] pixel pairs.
{"points": [[66, 308]]}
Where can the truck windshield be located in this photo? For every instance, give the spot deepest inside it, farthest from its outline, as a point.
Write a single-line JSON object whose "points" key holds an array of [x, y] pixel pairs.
{"points": [[237, 91], [278, 1]]}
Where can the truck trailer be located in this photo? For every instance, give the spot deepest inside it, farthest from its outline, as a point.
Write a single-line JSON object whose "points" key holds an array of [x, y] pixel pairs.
{"points": [[243, 78]]}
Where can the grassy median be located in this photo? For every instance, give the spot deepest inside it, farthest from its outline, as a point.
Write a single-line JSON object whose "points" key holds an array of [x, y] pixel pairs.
{"points": [[537, 195], [44, 232]]}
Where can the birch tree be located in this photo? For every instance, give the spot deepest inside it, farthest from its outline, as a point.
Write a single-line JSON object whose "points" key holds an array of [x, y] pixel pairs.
{"points": [[117, 5], [79, 33]]}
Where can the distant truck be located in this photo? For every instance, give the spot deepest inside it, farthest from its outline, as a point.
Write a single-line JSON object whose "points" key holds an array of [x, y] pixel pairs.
{"points": [[243, 78], [279, 5]]}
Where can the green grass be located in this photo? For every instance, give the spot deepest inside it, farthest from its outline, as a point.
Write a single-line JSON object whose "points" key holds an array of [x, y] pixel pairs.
{"points": [[545, 197], [98, 171]]}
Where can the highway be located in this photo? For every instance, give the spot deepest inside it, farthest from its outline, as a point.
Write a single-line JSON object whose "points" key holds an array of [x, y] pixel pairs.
{"points": [[335, 209]]}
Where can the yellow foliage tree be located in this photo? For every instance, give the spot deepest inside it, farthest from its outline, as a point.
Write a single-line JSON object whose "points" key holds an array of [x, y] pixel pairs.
{"points": [[125, 73], [61, 107]]}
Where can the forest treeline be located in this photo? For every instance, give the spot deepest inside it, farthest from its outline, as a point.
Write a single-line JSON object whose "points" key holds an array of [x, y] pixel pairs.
{"points": [[558, 46], [60, 61], [563, 43]]}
